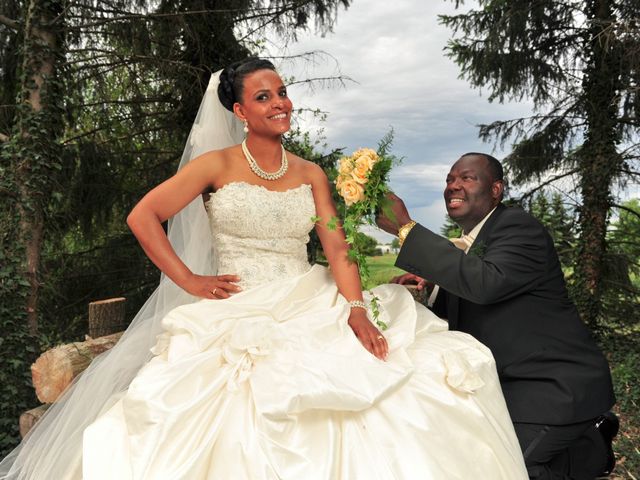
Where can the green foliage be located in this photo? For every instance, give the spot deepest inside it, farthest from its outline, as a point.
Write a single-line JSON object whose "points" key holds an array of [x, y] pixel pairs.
{"points": [[10, 42], [624, 235], [450, 229], [621, 286], [560, 221], [366, 244], [30, 179], [621, 346], [18, 348], [621, 273]]}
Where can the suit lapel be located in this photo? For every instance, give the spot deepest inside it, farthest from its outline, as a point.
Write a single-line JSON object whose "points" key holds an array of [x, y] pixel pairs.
{"points": [[453, 301], [484, 232]]}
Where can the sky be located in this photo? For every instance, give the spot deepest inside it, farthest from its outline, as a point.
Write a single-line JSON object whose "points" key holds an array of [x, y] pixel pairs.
{"points": [[402, 79]]}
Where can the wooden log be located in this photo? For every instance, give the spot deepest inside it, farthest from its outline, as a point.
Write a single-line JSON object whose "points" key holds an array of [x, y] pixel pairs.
{"points": [[54, 370], [106, 317], [29, 418]]}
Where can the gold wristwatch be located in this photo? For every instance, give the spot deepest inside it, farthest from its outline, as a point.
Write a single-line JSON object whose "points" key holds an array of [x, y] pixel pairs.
{"points": [[404, 230]]}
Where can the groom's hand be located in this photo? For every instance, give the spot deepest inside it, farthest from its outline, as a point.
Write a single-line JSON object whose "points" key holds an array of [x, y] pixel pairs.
{"points": [[394, 215], [410, 279]]}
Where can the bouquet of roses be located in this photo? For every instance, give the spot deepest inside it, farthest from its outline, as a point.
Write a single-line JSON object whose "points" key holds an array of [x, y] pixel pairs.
{"points": [[361, 182]]}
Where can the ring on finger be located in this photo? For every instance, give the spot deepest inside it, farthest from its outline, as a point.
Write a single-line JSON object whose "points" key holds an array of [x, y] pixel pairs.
{"points": [[380, 337], [213, 292]]}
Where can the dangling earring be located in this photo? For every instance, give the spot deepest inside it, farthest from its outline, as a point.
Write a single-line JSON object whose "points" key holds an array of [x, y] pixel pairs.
{"points": [[246, 127]]}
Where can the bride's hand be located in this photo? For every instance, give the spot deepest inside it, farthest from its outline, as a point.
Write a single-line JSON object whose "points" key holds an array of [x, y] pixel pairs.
{"points": [[212, 287], [368, 334]]}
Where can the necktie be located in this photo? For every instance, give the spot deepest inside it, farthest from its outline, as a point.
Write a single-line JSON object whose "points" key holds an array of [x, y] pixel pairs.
{"points": [[463, 243]]}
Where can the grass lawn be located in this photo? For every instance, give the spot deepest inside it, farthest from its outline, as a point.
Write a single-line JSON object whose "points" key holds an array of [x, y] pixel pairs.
{"points": [[382, 269], [622, 348]]}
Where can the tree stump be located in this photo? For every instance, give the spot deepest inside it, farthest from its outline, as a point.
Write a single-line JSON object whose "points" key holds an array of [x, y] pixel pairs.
{"points": [[55, 369], [106, 317], [29, 418], [419, 296]]}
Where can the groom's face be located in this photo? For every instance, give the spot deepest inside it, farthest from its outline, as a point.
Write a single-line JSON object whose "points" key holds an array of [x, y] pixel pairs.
{"points": [[471, 192]]}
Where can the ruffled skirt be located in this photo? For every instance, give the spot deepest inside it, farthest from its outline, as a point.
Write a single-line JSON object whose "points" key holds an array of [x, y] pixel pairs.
{"points": [[273, 384]]}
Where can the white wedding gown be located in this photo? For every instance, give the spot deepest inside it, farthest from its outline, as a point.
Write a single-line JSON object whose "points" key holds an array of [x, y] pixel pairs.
{"points": [[273, 384]]}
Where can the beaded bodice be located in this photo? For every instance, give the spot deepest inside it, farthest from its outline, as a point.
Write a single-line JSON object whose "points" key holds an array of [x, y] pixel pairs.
{"points": [[260, 234]]}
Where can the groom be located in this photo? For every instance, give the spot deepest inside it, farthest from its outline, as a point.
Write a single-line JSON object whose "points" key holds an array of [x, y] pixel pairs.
{"points": [[504, 285]]}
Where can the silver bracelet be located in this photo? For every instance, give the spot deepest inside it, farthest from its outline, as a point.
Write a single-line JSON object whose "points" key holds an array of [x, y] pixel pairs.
{"points": [[358, 304]]}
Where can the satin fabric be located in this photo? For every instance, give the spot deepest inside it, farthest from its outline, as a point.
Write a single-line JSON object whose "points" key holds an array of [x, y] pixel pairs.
{"points": [[273, 384]]}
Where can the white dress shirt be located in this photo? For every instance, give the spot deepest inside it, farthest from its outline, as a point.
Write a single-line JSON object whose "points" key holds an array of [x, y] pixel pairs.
{"points": [[463, 243]]}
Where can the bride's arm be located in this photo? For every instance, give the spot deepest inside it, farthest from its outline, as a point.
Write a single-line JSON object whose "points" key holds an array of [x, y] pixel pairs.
{"points": [[344, 271], [160, 204]]}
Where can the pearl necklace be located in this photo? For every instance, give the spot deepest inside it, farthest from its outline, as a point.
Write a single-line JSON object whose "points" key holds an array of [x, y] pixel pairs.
{"points": [[255, 168]]}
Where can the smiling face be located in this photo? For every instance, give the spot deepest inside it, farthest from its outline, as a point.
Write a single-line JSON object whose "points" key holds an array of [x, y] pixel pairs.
{"points": [[471, 191], [265, 104]]}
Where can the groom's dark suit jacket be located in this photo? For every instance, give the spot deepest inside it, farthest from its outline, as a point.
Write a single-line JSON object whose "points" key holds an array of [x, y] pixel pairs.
{"points": [[509, 293]]}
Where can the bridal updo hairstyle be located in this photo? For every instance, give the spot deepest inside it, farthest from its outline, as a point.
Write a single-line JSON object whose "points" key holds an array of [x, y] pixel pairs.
{"points": [[232, 79]]}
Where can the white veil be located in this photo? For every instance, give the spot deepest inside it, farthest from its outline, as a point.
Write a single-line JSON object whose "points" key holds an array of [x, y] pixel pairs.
{"points": [[53, 448]]}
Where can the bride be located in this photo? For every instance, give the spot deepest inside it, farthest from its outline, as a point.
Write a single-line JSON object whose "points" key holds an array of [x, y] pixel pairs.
{"points": [[270, 368]]}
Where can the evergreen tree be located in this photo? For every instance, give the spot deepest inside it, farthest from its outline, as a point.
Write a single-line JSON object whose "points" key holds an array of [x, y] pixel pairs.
{"points": [[560, 224], [450, 229], [622, 273], [579, 62], [367, 244]]}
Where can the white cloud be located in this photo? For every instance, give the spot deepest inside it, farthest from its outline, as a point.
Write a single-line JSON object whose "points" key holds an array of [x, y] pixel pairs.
{"points": [[422, 175], [395, 53], [431, 215]]}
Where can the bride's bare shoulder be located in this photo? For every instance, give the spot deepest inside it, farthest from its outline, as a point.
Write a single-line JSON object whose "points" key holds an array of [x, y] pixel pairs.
{"points": [[307, 169], [217, 158], [314, 173]]}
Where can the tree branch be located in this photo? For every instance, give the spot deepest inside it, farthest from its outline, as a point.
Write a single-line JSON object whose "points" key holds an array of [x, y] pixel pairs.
{"points": [[622, 286], [12, 24], [626, 209], [8, 193], [548, 182], [629, 172], [623, 242], [112, 139], [137, 101], [252, 14], [338, 78]]}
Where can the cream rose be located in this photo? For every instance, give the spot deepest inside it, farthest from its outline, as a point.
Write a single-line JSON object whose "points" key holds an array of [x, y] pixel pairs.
{"points": [[360, 172], [364, 164], [366, 152], [346, 166], [351, 191]]}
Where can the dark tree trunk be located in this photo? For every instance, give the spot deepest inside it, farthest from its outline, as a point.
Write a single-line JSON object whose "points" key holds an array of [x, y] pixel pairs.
{"points": [[598, 157], [36, 150], [28, 181]]}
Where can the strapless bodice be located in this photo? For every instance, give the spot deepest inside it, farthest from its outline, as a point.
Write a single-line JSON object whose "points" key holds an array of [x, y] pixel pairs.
{"points": [[260, 234]]}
